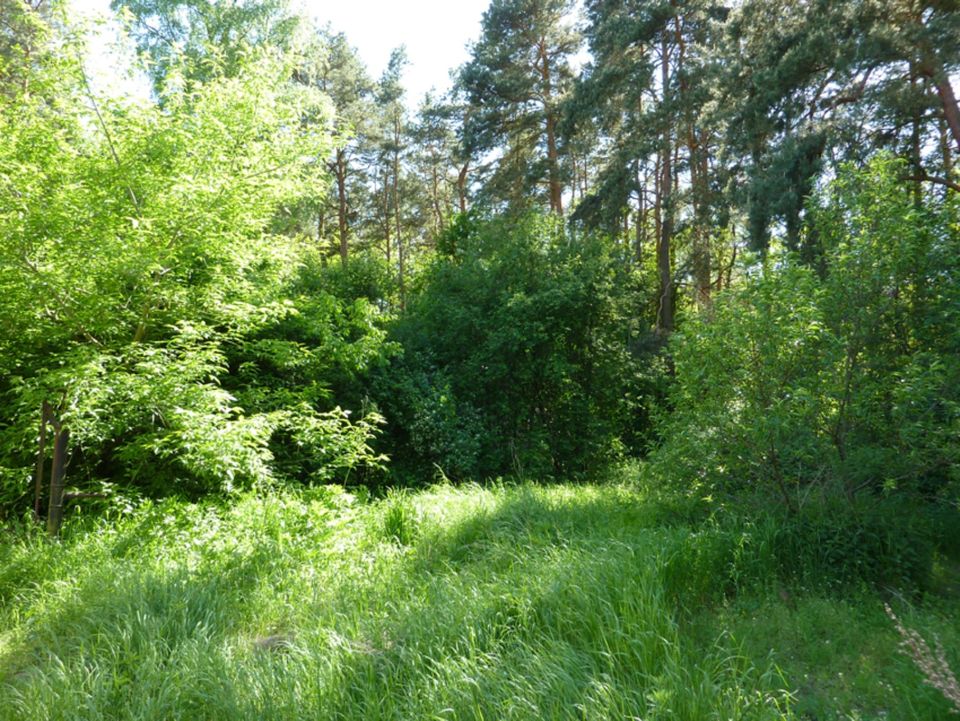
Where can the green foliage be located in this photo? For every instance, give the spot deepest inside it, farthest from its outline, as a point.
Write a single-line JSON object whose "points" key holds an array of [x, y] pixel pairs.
{"points": [[24, 37], [743, 413], [515, 83], [459, 235], [521, 602], [791, 133], [515, 354], [367, 276], [825, 549], [891, 298], [141, 285], [843, 383], [480, 613], [401, 519], [210, 38]]}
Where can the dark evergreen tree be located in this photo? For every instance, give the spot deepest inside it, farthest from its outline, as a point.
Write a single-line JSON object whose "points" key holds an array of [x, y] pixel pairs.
{"points": [[515, 84], [812, 84], [333, 66], [650, 88]]}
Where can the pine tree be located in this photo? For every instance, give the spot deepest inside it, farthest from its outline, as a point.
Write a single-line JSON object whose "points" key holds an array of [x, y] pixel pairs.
{"points": [[394, 139], [438, 161], [811, 84], [650, 88], [333, 66], [515, 84]]}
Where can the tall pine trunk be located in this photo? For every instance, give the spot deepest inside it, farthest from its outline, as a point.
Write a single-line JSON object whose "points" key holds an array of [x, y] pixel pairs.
{"points": [[665, 320], [341, 173], [462, 186], [553, 157], [948, 99], [396, 207]]}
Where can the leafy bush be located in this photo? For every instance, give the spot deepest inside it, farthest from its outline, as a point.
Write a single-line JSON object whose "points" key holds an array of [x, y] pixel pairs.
{"points": [[142, 287], [745, 407], [516, 357], [839, 381]]}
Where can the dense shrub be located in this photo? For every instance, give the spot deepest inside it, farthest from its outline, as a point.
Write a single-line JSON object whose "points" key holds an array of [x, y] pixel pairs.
{"points": [[515, 354], [841, 380], [177, 338]]}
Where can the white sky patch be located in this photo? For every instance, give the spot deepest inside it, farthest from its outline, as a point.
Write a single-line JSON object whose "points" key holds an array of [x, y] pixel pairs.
{"points": [[111, 62], [436, 34]]}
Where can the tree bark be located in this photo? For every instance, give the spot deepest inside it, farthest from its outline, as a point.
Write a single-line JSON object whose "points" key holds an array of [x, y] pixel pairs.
{"points": [[946, 150], [462, 187], [45, 414], [699, 176], [665, 320], [556, 190], [435, 190], [396, 205], [383, 200], [916, 156], [61, 440], [699, 169], [951, 112], [343, 227]]}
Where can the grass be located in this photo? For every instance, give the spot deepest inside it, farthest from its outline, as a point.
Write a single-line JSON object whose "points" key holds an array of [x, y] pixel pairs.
{"points": [[506, 602]]}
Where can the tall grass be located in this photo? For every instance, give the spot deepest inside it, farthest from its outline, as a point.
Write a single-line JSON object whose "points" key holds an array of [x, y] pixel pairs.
{"points": [[471, 603]]}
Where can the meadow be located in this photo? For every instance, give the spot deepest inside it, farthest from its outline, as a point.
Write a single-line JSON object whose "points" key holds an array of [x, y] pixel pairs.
{"points": [[517, 601]]}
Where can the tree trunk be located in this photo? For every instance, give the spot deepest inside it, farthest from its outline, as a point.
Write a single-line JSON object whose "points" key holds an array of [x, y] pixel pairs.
{"points": [[556, 191], [396, 205], [931, 66], [657, 202], [699, 177], [946, 150], [665, 321], [61, 439], [341, 171], [462, 186], [639, 234], [388, 241], [46, 412], [916, 156], [951, 112], [435, 189], [699, 169]]}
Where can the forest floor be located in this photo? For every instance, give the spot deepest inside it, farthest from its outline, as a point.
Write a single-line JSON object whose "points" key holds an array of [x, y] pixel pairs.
{"points": [[503, 602]]}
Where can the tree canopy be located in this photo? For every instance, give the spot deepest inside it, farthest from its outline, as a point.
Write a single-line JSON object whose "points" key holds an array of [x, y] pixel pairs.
{"points": [[715, 235]]}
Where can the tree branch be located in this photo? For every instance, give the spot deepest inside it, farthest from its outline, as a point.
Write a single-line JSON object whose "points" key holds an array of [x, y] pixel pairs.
{"points": [[936, 180], [106, 133]]}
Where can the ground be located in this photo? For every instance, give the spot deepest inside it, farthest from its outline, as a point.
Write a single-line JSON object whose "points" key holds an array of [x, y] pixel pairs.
{"points": [[500, 602]]}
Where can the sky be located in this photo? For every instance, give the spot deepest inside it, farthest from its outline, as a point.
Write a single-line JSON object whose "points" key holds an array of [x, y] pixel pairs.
{"points": [[435, 33]]}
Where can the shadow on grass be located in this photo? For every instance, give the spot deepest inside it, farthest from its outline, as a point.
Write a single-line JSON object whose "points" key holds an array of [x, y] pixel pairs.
{"points": [[118, 605], [540, 606], [533, 604]]}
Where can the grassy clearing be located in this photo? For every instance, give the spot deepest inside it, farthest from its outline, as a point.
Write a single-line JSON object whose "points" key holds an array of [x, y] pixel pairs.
{"points": [[522, 602]]}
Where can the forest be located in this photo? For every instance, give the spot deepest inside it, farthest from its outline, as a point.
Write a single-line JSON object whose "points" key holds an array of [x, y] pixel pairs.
{"points": [[619, 381]]}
